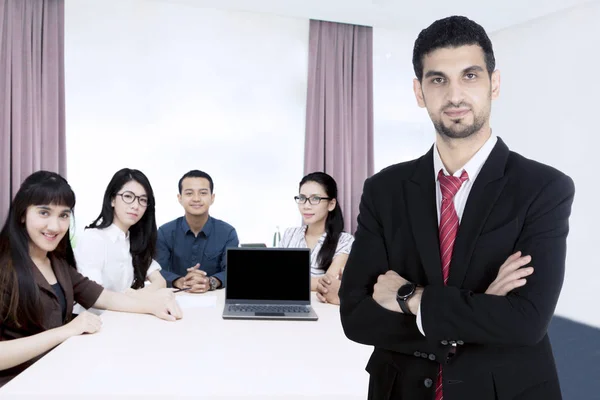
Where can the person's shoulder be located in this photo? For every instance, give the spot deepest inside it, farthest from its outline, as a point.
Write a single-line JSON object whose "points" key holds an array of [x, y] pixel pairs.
{"points": [[221, 225], [291, 237], [91, 236], [171, 225], [292, 231], [346, 237], [534, 174], [395, 173]]}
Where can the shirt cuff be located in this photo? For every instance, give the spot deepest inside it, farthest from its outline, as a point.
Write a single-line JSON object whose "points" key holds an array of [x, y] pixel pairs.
{"points": [[222, 277], [419, 321]]}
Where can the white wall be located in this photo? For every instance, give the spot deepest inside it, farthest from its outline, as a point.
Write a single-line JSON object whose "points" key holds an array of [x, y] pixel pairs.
{"points": [[166, 88], [548, 110], [403, 131]]}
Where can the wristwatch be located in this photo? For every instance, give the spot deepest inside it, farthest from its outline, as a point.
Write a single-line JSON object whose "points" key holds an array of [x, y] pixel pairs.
{"points": [[404, 293], [213, 282]]}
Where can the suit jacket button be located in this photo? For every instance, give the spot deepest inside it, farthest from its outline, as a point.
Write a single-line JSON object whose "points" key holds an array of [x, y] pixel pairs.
{"points": [[453, 343], [428, 383], [460, 342], [423, 355], [445, 342], [432, 357], [417, 354]]}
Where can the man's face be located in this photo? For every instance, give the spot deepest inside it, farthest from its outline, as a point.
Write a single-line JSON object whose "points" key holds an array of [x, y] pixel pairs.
{"points": [[196, 197], [457, 90]]}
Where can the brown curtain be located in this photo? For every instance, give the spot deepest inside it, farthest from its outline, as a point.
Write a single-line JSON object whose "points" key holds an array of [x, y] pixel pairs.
{"points": [[339, 112], [32, 92]]}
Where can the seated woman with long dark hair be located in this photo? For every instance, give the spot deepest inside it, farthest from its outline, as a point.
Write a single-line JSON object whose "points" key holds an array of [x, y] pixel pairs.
{"points": [[39, 280], [322, 232], [117, 249]]}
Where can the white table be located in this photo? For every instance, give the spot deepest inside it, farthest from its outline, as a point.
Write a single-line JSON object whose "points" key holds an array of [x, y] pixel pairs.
{"points": [[202, 356]]}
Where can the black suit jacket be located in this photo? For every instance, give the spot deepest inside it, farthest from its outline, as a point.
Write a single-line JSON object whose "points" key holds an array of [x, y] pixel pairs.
{"points": [[503, 351]]}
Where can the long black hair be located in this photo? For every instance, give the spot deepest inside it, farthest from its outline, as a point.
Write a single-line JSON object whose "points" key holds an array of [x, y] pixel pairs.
{"points": [[142, 235], [18, 290], [334, 224]]}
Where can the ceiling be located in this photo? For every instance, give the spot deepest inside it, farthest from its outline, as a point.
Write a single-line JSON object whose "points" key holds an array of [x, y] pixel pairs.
{"points": [[399, 14]]}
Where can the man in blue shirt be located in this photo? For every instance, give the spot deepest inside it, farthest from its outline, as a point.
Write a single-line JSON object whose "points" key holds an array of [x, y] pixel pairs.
{"points": [[191, 249]]}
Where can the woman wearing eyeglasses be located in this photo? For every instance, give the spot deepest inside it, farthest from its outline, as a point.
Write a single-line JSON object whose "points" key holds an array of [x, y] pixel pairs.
{"points": [[117, 249], [321, 232]]}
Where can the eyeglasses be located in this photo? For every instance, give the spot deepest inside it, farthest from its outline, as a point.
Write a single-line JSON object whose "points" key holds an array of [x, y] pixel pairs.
{"points": [[314, 200], [129, 197]]}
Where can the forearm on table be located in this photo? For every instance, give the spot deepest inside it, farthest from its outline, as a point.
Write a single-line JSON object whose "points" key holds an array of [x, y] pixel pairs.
{"points": [[17, 351], [120, 302]]}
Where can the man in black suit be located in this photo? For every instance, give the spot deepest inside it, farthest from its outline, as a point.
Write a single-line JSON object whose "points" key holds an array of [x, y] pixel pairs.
{"points": [[459, 255]]}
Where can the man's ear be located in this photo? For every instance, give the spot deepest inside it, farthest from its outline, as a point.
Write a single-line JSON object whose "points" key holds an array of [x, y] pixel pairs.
{"points": [[418, 90], [495, 80]]}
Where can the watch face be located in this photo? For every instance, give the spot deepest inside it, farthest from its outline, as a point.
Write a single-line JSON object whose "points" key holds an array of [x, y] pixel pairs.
{"points": [[406, 290]]}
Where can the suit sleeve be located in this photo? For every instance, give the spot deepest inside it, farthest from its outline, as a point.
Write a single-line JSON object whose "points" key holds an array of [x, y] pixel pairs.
{"points": [[364, 321], [522, 316]]}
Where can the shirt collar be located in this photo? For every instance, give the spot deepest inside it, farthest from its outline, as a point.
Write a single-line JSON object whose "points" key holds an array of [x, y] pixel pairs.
{"points": [[207, 228], [473, 166], [321, 239], [115, 233]]}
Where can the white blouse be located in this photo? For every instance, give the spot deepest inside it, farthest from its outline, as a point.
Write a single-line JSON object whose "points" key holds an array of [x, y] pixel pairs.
{"points": [[103, 256], [294, 238]]}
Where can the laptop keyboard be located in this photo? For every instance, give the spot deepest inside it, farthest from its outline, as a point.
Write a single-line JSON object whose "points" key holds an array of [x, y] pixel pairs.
{"points": [[268, 308]]}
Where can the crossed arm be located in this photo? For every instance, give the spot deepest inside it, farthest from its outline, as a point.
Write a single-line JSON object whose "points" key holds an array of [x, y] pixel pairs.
{"points": [[485, 318]]}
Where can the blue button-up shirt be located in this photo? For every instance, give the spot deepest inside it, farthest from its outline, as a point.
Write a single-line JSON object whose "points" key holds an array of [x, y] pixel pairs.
{"points": [[178, 249]]}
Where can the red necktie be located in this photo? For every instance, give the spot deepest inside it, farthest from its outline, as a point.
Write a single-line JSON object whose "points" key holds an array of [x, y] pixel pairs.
{"points": [[449, 186]]}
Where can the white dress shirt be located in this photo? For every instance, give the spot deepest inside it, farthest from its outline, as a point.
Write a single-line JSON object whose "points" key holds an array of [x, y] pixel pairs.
{"points": [[296, 238], [103, 256], [473, 167]]}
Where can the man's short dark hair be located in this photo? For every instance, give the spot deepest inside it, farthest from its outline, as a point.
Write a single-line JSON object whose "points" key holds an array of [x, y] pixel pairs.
{"points": [[197, 174], [448, 32]]}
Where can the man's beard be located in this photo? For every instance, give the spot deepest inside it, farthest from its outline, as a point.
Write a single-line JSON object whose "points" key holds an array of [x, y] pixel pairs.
{"points": [[456, 129]]}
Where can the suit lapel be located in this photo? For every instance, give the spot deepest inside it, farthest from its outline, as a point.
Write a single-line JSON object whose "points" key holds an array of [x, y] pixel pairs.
{"points": [[420, 197], [481, 201]]}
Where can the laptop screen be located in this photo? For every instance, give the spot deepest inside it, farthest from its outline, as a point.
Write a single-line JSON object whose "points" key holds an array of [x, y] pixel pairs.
{"points": [[268, 274]]}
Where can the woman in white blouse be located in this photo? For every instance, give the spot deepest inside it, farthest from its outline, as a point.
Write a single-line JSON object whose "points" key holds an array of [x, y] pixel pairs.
{"points": [[117, 249], [321, 232]]}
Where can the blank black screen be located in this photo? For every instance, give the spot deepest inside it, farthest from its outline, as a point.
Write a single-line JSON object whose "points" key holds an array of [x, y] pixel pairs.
{"points": [[268, 274]]}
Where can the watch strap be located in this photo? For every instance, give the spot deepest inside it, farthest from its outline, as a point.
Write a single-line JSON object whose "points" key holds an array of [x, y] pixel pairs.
{"points": [[404, 306]]}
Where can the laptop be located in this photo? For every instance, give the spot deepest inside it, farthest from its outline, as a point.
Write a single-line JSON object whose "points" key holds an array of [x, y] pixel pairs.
{"points": [[268, 283]]}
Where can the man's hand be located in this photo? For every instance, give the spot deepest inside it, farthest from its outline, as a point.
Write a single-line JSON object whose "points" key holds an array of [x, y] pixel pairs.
{"points": [[386, 289], [195, 279], [328, 288], [511, 275]]}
